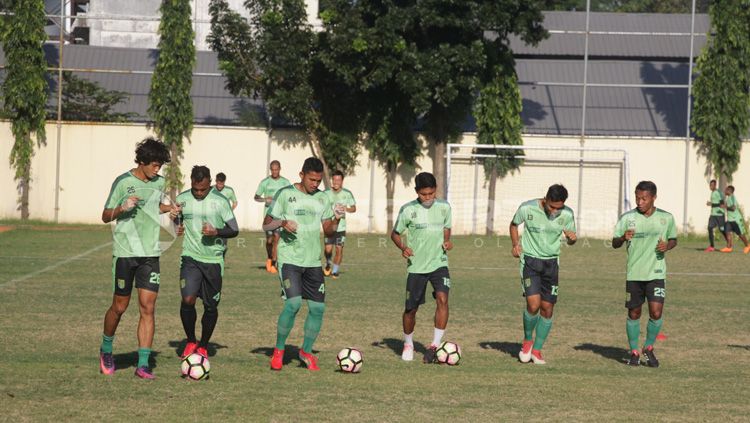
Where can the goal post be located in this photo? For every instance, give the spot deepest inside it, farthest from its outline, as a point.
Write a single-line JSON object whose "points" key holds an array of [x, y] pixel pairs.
{"points": [[596, 180]]}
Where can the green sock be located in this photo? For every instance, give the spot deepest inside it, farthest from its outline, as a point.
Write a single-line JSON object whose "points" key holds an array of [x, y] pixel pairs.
{"points": [[633, 328], [653, 329], [529, 323], [143, 355], [286, 320], [312, 324], [542, 330], [107, 343]]}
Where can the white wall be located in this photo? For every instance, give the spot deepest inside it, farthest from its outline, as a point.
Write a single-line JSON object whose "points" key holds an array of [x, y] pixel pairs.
{"points": [[93, 155]]}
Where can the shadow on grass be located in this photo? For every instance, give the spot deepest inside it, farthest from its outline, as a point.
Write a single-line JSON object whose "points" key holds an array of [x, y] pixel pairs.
{"points": [[130, 359], [179, 346], [613, 353], [743, 347], [510, 348], [397, 345], [290, 352]]}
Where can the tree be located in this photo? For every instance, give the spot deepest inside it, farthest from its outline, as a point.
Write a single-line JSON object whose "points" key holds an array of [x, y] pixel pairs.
{"points": [[276, 56], [721, 115], [84, 100], [498, 116], [25, 89], [170, 105]]}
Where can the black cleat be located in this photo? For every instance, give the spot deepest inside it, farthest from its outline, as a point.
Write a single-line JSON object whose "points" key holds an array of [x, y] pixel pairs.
{"points": [[635, 358], [429, 355], [650, 357]]}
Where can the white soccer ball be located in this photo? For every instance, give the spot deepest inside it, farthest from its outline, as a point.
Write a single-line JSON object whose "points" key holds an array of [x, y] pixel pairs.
{"points": [[195, 367], [448, 353], [349, 360]]}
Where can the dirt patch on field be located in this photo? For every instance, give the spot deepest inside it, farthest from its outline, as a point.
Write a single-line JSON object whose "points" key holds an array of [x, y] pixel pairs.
{"points": [[5, 228]]}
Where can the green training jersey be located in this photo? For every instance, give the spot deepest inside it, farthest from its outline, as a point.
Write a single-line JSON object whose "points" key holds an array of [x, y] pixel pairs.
{"points": [[716, 198], [308, 211], [424, 228], [345, 197], [227, 192], [269, 186], [733, 215], [136, 232], [541, 234], [213, 209], [644, 262]]}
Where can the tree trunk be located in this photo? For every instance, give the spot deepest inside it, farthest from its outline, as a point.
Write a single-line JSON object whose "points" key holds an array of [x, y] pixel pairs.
{"points": [[23, 187], [491, 202], [317, 151], [172, 173], [390, 189], [438, 168]]}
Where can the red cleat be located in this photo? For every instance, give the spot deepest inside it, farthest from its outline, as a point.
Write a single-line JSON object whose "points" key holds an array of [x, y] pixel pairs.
{"points": [[190, 348], [310, 360], [277, 360], [525, 354], [709, 249], [202, 351]]}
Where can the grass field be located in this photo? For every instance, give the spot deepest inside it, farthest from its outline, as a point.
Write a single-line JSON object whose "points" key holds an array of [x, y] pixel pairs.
{"points": [[55, 288]]}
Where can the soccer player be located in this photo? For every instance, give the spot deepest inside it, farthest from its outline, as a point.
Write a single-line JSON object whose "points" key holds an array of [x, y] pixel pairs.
{"points": [[545, 221], [299, 210], [224, 189], [426, 222], [734, 222], [338, 195], [264, 194], [649, 232], [206, 219], [716, 219], [135, 201]]}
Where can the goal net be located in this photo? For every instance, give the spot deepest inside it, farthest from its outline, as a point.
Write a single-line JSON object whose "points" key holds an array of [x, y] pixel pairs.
{"points": [[596, 180]]}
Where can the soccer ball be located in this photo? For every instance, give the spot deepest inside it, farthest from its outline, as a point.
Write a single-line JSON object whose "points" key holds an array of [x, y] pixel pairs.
{"points": [[448, 353], [195, 367], [349, 360]]}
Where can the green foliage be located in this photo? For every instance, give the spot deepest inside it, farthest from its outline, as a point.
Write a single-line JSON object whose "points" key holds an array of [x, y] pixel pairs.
{"points": [[170, 105], [498, 116], [25, 87], [84, 100], [721, 115]]}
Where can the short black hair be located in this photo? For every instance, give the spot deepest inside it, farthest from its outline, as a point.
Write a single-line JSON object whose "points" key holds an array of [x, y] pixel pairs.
{"points": [[312, 164], [730, 188], [556, 192], [424, 180], [200, 173], [151, 150], [338, 173], [646, 186], [221, 177], [274, 162], [712, 181]]}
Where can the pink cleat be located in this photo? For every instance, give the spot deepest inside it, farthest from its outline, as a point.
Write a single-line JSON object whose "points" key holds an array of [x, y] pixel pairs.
{"points": [[310, 360], [709, 250], [144, 373], [106, 363]]}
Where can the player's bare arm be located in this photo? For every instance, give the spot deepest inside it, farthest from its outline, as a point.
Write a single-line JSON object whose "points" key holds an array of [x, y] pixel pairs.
{"points": [[570, 236], [330, 226], [271, 224], [663, 247], [108, 215], [406, 252], [515, 240], [447, 243], [627, 236]]}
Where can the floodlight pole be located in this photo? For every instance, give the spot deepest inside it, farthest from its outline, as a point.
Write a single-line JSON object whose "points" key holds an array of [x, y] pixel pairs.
{"points": [[686, 183]]}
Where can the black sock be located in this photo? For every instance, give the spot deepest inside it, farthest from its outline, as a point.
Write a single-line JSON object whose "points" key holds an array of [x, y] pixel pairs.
{"points": [[208, 323], [188, 316]]}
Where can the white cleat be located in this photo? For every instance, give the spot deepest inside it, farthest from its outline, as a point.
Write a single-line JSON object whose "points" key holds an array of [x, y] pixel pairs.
{"points": [[525, 354], [408, 353], [536, 357]]}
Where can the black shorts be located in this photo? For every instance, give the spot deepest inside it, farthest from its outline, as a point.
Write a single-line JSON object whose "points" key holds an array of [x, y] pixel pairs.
{"points": [[337, 239], [416, 285], [716, 221], [144, 271], [202, 280], [636, 292], [540, 277], [307, 282], [735, 227]]}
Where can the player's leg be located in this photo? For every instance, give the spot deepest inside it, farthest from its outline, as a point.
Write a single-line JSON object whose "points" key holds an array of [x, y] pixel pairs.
{"points": [[275, 250], [123, 274], [531, 286], [655, 293], [147, 279], [328, 252], [635, 296], [728, 229], [269, 250], [416, 284], [211, 295], [291, 290], [722, 224], [314, 291], [190, 285], [712, 223], [441, 284], [339, 246], [549, 291]]}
